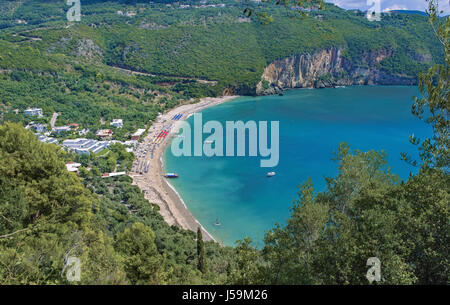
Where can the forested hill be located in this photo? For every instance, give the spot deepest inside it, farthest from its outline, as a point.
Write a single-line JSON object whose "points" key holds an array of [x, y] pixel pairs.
{"points": [[215, 42], [132, 60]]}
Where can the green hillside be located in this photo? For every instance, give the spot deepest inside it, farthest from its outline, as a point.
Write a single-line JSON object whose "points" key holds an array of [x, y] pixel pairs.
{"points": [[187, 53], [217, 43], [150, 57]]}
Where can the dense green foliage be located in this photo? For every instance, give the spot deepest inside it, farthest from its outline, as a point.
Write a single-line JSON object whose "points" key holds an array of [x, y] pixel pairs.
{"points": [[113, 159], [123, 204], [91, 96], [434, 106], [48, 214], [216, 43], [365, 212], [201, 263]]}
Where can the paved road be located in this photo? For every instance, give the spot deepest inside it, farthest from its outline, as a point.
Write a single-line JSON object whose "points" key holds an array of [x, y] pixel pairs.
{"points": [[53, 120], [133, 72]]}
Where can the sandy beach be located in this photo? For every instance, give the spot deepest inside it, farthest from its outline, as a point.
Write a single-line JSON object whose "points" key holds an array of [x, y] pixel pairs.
{"points": [[155, 186]]}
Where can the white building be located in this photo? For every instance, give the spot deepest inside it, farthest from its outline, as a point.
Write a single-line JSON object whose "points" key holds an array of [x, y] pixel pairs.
{"points": [[104, 133], [45, 139], [130, 145], [118, 123], [137, 134], [34, 112], [61, 129], [114, 174], [38, 127], [73, 167], [85, 146]]}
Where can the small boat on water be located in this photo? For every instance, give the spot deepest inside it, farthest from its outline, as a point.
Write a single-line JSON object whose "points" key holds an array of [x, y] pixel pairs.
{"points": [[208, 142], [171, 175], [217, 223], [271, 174]]}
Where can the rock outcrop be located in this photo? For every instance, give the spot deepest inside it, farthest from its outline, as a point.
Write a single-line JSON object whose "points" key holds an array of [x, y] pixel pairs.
{"points": [[82, 48], [327, 68], [86, 48]]}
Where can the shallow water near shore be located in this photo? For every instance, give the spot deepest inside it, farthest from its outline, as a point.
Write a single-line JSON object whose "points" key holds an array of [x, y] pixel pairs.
{"points": [[235, 190]]}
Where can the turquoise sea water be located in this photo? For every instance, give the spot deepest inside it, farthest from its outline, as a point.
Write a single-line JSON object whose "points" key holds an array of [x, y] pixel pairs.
{"points": [[236, 191]]}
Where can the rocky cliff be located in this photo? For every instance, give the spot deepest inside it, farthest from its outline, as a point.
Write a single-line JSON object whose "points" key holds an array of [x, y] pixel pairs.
{"points": [[327, 68]]}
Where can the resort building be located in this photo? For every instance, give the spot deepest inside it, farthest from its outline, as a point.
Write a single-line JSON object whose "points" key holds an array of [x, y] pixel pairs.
{"points": [[104, 133], [130, 145], [40, 128], [73, 167], [126, 143], [135, 136], [118, 123], [85, 146], [61, 129], [107, 175], [45, 139], [34, 112]]}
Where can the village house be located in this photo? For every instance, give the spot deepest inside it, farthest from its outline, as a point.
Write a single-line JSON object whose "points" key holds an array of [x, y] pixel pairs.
{"points": [[73, 167], [118, 123], [104, 133], [135, 136]]}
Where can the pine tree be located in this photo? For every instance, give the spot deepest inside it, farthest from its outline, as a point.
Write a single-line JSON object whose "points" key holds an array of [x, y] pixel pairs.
{"points": [[201, 263], [433, 105]]}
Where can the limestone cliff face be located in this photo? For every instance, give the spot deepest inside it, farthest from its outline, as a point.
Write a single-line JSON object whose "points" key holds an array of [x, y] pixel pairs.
{"points": [[327, 68]]}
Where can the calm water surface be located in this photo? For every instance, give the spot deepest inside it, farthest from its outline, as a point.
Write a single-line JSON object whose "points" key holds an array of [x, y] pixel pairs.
{"points": [[236, 190]]}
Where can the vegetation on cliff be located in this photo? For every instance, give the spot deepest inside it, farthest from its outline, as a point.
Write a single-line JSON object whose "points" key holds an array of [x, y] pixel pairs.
{"points": [[48, 214], [216, 43]]}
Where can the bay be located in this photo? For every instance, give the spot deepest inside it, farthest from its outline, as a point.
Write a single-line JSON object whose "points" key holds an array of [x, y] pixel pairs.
{"points": [[235, 190]]}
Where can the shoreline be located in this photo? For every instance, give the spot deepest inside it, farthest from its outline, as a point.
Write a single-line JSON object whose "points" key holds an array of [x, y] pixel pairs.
{"points": [[157, 189]]}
